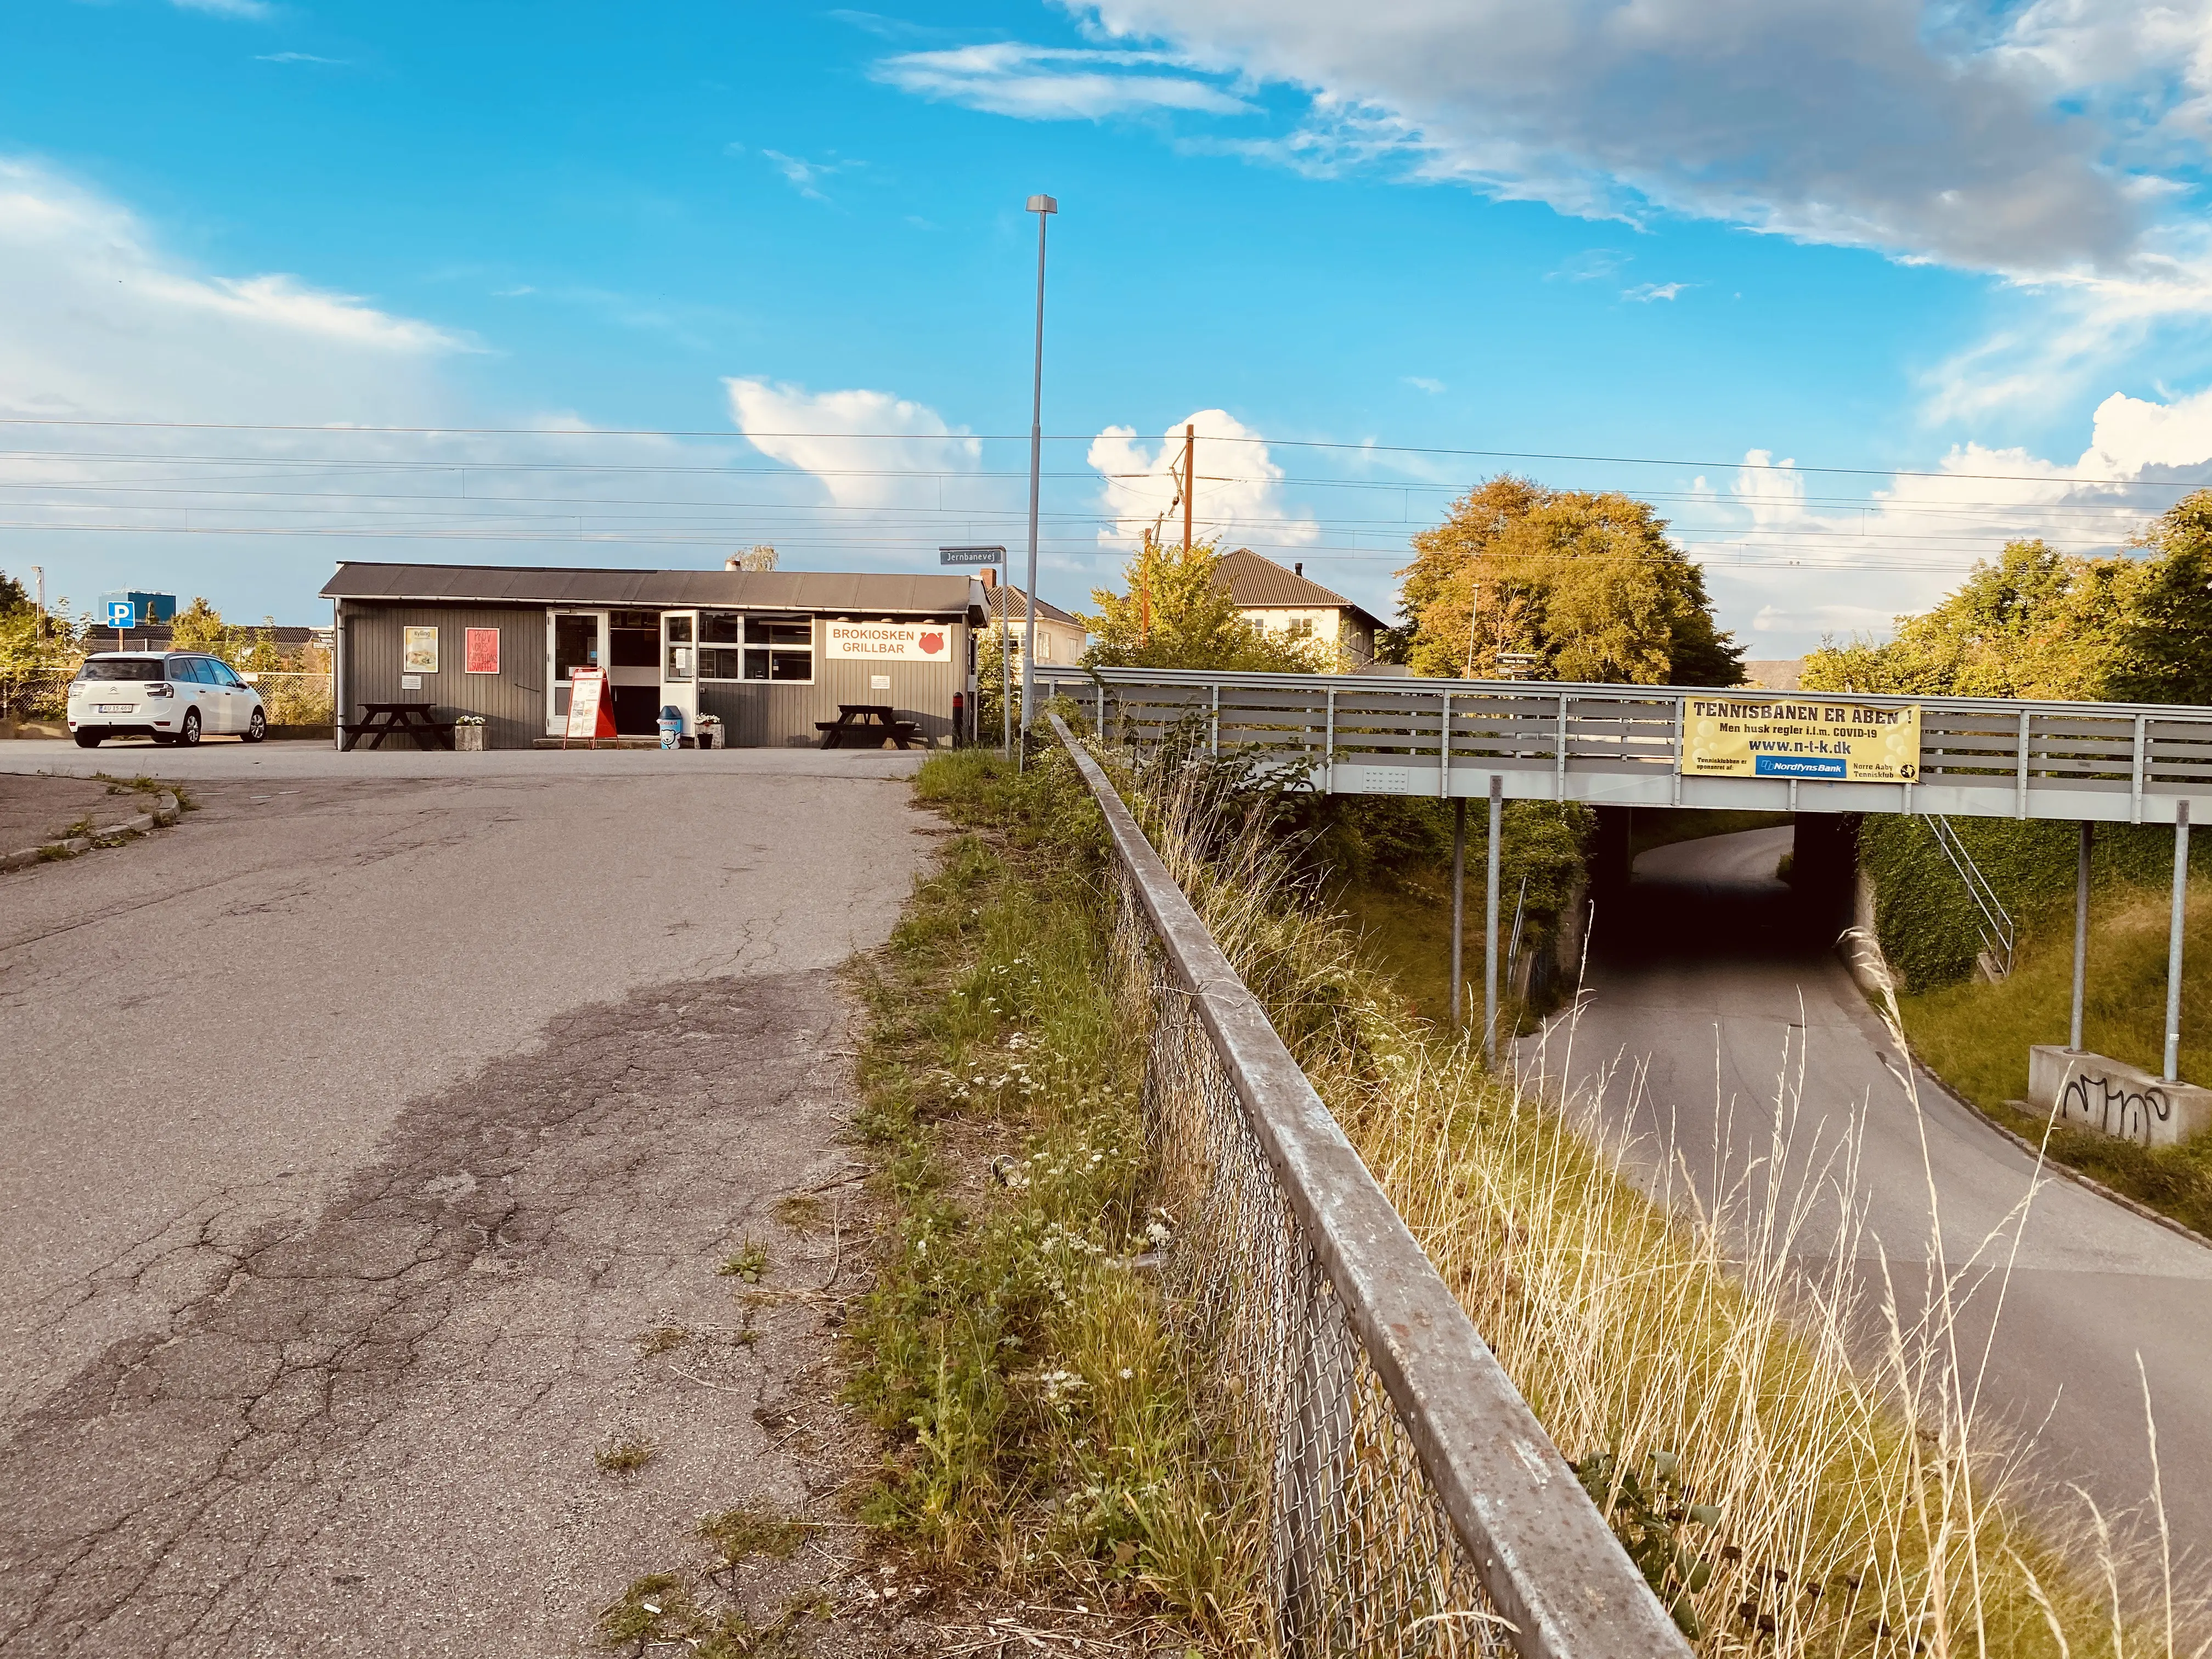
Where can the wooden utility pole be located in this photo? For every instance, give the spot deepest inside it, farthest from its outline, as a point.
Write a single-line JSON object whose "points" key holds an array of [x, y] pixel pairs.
{"points": [[1145, 591], [1189, 480]]}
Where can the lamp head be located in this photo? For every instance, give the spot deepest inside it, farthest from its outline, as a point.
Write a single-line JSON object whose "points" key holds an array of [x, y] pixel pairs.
{"points": [[1042, 204]]}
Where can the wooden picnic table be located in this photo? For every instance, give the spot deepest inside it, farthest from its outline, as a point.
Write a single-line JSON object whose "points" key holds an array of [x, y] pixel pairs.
{"points": [[865, 726], [380, 721]]}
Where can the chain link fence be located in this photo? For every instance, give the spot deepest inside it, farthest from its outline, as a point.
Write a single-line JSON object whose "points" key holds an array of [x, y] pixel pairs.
{"points": [[1413, 1505]]}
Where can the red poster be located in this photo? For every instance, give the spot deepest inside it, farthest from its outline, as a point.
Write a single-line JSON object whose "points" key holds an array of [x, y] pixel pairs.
{"points": [[483, 651]]}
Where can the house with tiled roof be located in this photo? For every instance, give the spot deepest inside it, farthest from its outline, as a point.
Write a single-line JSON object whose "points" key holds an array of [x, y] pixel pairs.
{"points": [[1282, 600], [1061, 638]]}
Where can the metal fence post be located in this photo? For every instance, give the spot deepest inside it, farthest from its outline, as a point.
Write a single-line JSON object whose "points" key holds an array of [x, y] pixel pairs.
{"points": [[2174, 942], [1459, 907], [2080, 932]]}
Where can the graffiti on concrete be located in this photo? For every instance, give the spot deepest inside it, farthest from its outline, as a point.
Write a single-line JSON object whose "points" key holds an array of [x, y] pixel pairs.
{"points": [[2115, 1107]]}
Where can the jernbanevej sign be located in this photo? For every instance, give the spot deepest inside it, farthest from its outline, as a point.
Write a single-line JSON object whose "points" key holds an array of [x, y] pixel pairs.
{"points": [[1799, 737]]}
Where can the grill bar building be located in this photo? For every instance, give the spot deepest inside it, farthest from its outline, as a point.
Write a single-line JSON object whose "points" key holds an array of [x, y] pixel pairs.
{"points": [[769, 653]]}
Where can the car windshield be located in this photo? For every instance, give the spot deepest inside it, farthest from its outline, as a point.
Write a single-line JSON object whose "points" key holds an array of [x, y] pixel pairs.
{"points": [[121, 668]]}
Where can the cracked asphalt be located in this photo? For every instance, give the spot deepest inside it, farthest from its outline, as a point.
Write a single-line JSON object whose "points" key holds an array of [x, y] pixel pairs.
{"points": [[358, 1127]]}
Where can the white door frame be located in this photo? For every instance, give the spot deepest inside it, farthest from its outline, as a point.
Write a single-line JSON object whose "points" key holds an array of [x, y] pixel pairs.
{"points": [[679, 667], [556, 722]]}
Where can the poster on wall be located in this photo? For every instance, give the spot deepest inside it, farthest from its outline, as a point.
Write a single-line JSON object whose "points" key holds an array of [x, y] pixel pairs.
{"points": [[421, 650], [1799, 738], [481, 654], [884, 641]]}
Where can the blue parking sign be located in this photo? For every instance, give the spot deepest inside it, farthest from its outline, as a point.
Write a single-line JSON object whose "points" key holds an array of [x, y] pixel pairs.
{"points": [[121, 613]]}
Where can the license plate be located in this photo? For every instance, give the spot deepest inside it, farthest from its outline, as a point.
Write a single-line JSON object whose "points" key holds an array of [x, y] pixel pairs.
{"points": [[119, 708]]}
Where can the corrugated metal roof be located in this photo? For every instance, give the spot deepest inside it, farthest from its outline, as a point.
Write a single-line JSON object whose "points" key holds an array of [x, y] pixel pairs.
{"points": [[858, 593], [998, 600], [1262, 584]]}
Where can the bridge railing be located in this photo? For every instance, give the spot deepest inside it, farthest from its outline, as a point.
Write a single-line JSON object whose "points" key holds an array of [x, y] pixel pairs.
{"points": [[1367, 734], [1413, 1504]]}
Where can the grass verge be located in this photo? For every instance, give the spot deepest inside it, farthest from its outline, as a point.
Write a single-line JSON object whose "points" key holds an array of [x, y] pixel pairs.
{"points": [[1976, 1037], [1046, 1439]]}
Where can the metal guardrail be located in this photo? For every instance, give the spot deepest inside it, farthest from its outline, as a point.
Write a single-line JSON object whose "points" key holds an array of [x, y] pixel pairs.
{"points": [[1996, 927], [1621, 744], [1415, 1504]]}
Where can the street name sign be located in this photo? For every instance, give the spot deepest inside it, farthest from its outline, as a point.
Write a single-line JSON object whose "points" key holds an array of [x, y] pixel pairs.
{"points": [[1800, 736], [971, 555]]}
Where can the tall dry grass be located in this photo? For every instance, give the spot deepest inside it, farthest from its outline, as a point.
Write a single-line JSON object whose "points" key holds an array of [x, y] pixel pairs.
{"points": [[1800, 1461]]}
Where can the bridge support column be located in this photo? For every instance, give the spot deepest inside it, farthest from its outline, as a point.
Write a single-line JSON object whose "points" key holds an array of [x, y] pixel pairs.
{"points": [[1490, 920], [2173, 943], [1458, 908], [2081, 934]]}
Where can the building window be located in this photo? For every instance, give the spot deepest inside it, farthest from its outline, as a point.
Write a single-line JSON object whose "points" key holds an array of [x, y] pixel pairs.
{"points": [[1044, 646], [1300, 627], [780, 648]]}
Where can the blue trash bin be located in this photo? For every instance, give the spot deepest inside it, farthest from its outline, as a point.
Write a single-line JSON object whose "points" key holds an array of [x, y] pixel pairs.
{"points": [[671, 725]]}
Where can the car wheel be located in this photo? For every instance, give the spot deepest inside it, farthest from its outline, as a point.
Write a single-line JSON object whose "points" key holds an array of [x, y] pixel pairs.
{"points": [[256, 728], [88, 739], [189, 734]]}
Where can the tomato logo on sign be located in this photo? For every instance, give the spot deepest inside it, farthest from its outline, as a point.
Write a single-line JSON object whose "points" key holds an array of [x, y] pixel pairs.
{"points": [[932, 644]]}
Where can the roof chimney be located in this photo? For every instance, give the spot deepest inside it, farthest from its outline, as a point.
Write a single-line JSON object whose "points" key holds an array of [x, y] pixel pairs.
{"points": [[990, 576], [1299, 568]]}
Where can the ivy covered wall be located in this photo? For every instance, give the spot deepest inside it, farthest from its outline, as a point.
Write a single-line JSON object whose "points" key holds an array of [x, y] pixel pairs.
{"points": [[1930, 928]]}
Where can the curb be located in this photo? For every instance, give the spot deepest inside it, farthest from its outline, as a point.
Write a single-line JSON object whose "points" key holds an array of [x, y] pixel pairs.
{"points": [[2057, 1167], [164, 812]]}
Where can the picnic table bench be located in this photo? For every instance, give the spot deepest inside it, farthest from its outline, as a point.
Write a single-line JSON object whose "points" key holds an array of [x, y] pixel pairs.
{"points": [[865, 726], [380, 721]]}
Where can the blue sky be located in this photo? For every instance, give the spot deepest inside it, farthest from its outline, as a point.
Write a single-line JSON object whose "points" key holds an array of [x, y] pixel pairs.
{"points": [[1851, 235]]}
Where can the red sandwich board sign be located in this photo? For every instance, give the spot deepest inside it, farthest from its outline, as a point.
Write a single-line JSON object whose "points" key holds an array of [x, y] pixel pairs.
{"points": [[588, 714]]}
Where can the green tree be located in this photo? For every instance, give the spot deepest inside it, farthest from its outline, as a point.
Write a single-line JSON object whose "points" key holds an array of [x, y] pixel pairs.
{"points": [[2033, 623], [200, 627], [14, 596], [1175, 615], [1588, 584], [2163, 651]]}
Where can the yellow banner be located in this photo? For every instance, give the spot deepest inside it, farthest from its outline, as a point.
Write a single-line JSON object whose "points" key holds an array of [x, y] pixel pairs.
{"points": [[1833, 739]]}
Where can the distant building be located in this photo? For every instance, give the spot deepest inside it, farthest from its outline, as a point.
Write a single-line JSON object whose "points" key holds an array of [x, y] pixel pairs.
{"points": [[1282, 601], [160, 636], [1062, 638]]}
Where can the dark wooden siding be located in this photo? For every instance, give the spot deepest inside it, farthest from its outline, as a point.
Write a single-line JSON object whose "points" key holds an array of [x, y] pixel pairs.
{"points": [[512, 701], [767, 715]]}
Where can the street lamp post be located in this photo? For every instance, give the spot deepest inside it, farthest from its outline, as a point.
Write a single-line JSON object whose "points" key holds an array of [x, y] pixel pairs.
{"points": [[1042, 206]]}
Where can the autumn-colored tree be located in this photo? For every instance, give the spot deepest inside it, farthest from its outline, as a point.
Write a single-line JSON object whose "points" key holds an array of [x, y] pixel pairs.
{"points": [[1175, 615], [200, 627], [1588, 586]]}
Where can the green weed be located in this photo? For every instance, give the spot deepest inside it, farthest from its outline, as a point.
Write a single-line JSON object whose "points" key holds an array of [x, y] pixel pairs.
{"points": [[750, 1264], [625, 1456]]}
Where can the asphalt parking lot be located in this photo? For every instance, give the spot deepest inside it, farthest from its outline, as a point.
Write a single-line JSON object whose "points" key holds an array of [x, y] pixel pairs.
{"points": [[359, 1126]]}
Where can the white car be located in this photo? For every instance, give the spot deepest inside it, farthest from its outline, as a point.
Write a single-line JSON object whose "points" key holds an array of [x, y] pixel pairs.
{"points": [[173, 697]]}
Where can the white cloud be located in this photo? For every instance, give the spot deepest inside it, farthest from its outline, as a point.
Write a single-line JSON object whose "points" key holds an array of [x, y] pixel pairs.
{"points": [[1800, 565], [296, 58], [1239, 494], [95, 319], [1866, 123], [1056, 83], [855, 444], [1423, 383], [253, 10], [1644, 293], [804, 176]]}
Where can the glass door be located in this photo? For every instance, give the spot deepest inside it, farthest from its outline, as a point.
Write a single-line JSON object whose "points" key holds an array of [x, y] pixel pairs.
{"points": [[679, 666], [577, 638]]}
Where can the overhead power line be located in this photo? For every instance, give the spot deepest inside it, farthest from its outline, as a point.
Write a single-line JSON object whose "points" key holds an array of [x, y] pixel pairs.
{"points": [[725, 435]]}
